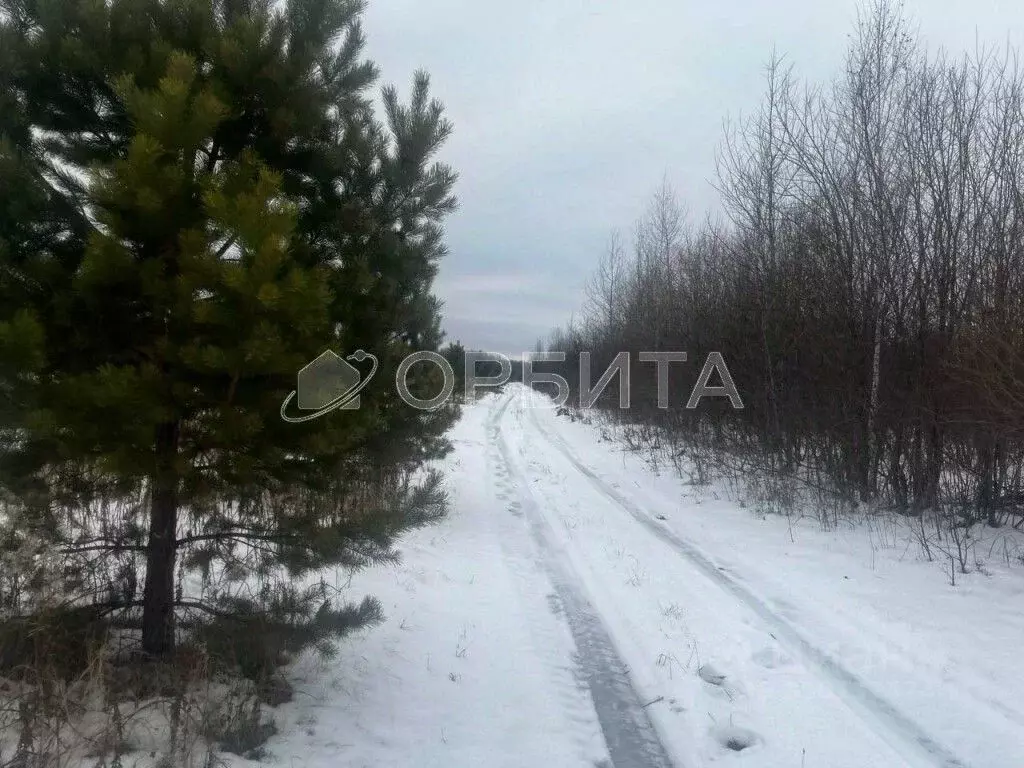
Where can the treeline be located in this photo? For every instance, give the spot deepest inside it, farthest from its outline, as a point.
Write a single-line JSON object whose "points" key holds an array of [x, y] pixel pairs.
{"points": [[866, 288]]}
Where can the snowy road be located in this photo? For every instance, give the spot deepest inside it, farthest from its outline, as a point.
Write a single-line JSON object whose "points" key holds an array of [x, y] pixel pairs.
{"points": [[920, 746], [579, 609], [627, 730]]}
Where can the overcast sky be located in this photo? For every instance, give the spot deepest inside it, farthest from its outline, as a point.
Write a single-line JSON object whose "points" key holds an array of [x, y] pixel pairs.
{"points": [[568, 113]]}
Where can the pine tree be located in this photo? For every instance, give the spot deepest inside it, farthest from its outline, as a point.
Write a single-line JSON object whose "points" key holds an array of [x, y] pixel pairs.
{"points": [[198, 200]]}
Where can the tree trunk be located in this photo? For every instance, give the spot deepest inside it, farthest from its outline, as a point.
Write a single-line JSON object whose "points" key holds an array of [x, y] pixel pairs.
{"points": [[933, 478], [158, 594], [868, 488], [898, 480]]}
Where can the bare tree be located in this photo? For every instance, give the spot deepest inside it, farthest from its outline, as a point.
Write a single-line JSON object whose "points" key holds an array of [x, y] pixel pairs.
{"points": [[873, 244]]}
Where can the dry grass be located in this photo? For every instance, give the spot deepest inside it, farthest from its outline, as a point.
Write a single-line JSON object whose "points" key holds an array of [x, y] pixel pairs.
{"points": [[102, 707]]}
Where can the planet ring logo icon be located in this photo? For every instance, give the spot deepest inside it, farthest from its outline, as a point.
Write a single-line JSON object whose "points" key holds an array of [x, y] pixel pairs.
{"points": [[328, 383]]}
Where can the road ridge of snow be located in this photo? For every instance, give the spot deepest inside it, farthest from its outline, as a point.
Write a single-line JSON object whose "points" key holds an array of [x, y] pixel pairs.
{"points": [[877, 712], [630, 736]]}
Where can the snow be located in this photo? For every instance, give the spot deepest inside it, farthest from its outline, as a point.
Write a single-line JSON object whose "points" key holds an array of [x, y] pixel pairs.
{"points": [[577, 608], [472, 667]]}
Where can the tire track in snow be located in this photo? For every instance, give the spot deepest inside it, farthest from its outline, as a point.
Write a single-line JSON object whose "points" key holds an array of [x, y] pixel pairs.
{"points": [[552, 644], [912, 740], [629, 735]]}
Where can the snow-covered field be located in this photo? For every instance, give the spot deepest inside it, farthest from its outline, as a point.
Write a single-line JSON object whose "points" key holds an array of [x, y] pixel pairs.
{"points": [[577, 609]]}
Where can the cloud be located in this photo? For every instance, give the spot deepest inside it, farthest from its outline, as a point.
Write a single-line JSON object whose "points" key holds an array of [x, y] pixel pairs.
{"points": [[489, 283]]}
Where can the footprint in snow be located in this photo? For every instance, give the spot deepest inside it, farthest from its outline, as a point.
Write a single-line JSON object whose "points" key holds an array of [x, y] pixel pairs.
{"points": [[734, 738], [770, 658], [721, 686], [711, 675]]}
